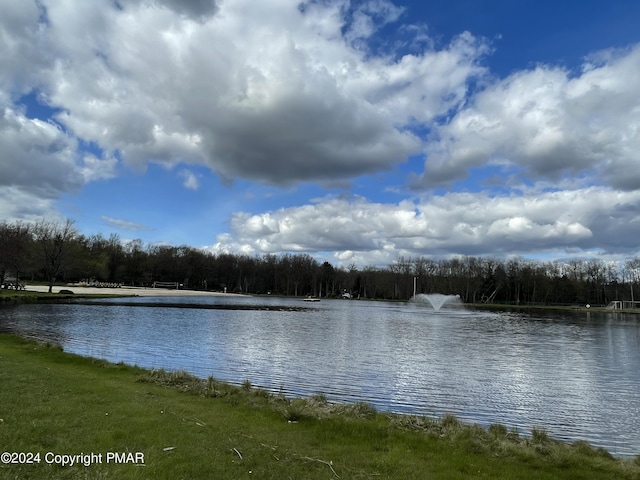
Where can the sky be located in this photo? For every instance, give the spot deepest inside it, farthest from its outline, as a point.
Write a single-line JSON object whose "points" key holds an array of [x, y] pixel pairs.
{"points": [[358, 132]]}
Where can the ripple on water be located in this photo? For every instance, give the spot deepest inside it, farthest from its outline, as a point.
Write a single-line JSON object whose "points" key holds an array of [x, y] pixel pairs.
{"points": [[575, 375]]}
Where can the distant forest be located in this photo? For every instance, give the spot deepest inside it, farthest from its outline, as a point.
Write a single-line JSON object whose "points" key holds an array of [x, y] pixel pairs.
{"points": [[56, 252]]}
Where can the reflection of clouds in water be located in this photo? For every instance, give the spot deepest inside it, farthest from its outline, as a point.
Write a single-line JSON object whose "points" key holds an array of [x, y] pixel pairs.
{"points": [[573, 375]]}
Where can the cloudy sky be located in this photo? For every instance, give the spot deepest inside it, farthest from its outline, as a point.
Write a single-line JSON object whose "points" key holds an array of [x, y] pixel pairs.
{"points": [[356, 131]]}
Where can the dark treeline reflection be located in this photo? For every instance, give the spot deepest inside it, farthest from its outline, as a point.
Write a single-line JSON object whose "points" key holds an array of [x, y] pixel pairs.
{"points": [[48, 251]]}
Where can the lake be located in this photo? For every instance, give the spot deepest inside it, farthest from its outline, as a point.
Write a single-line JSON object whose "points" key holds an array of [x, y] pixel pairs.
{"points": [[576, 374]]}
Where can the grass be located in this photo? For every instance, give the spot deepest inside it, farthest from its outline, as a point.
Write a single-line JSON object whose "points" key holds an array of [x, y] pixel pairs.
{"points": [[189, 428], [22, 295], [25, 296]]}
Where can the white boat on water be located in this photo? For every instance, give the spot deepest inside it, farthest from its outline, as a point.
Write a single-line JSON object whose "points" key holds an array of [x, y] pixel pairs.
{"points": [[309, 298]]}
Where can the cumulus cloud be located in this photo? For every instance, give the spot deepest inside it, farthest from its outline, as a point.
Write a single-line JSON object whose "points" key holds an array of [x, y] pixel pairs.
{"points": [[454, 223], [546, 123], [276, 92], [40, 162], [37, 155], [24, 53], [16, 203], [366, 18], [286, 92]]}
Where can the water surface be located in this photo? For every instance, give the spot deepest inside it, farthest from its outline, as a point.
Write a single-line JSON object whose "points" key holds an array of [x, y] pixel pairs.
{"points": [[575, 374]]}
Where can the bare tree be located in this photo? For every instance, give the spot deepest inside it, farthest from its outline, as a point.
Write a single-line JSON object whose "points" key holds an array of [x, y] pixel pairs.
{"points": [[14, 246], [632, 272], [53, 240]]}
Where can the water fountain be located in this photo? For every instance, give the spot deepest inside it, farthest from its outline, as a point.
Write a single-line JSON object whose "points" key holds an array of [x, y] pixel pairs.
{"points": [[438, 300]]}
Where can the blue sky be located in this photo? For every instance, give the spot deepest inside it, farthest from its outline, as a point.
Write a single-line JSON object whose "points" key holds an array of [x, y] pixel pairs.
{"points": [[355, 131]]}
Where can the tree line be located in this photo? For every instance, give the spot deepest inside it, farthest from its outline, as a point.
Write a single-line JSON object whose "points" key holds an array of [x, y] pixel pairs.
{"points": [[53, 252]]}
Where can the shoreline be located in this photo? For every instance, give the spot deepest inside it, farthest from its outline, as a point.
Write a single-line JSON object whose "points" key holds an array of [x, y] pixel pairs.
{"points": [[128, 291], [359, 439]]}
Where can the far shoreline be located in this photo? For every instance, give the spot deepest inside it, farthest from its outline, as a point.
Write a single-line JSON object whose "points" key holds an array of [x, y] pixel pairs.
{"points": [[126, 291], [41, 293]]}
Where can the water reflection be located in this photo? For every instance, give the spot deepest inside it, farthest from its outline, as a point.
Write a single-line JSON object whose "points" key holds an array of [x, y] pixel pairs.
{"points": [[575, 375]]}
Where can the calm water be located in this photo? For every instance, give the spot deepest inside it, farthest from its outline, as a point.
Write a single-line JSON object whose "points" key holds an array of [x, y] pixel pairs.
{"points": [[577, 375]]}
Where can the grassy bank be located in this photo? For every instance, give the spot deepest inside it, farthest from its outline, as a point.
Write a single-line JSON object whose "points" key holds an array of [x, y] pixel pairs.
{"points": [[179, 427], [22, 296], [9, 296]]}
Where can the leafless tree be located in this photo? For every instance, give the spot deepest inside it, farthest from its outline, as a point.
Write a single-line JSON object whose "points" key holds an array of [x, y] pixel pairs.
{"points": [[14, 246], [53, 240]]}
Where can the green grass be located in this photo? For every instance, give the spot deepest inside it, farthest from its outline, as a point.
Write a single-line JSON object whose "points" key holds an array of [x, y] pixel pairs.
{"points": [[188, 428], [22, 295], [25, 296]]}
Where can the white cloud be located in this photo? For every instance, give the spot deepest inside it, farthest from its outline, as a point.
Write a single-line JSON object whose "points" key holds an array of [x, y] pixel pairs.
{"points": [[544, 123], [37, 156], [368, 17], [19, 204], [456, 223], [284, 92], [274, 92], [267, 91], [24, 53], [93, 168], [190, 180], [40, 162], [121, 224]]}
